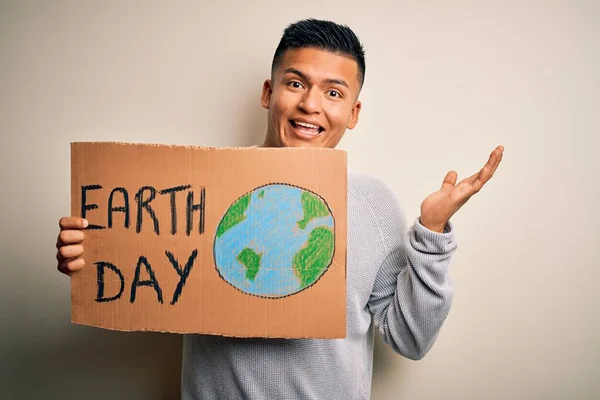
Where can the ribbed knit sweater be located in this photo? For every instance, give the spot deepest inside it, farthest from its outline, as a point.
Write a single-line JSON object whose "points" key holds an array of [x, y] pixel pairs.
{"points": [[397, 282]]}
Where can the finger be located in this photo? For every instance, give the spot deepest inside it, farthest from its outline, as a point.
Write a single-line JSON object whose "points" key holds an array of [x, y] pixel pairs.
{"points": [[465, 191], [499, 152], [475, 182], [497, 163], [471, 185], [69, 237], [449, 180], [70, 251], [68, 266], [489, 169], [72, 223], [470, 179], [484, 175], [491, 162]]}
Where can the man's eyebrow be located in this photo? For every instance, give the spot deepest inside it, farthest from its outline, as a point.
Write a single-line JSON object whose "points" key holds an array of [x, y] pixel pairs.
{"points": [[336, 82], [297, 72], [330, 81]]}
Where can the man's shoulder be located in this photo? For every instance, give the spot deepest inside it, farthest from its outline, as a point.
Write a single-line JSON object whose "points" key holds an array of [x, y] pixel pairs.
{"points": [[370, 196], [367, 186], [369, 192]]}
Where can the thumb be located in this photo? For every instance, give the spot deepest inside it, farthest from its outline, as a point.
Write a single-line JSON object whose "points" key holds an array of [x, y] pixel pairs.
{"points": [[450, 180]]}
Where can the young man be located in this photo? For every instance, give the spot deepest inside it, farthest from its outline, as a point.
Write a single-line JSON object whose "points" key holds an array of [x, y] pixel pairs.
{"points": [[397, 278]]}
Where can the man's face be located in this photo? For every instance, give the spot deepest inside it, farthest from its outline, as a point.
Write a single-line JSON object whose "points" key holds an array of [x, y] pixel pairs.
{"points": [[311, 99]]}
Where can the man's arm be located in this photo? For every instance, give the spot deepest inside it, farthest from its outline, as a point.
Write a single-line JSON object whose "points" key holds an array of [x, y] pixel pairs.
{"points": [[412, 293]]}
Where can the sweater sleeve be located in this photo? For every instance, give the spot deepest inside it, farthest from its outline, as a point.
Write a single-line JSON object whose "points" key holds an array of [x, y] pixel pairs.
{"points": [[412, 292]]}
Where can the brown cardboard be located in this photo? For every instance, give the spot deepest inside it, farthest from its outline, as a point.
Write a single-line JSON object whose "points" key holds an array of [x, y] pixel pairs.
{"points": [[228, 291]]}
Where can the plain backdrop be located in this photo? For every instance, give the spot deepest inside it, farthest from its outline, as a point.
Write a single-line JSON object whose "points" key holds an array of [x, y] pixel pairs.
{"points": [[446, 82]]}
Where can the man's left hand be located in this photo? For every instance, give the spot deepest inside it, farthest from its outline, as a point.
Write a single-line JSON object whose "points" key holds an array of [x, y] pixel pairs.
{"points": [[439, 207]]}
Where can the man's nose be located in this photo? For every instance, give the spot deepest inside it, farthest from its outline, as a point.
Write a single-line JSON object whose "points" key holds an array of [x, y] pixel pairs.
{"points": [[310, 102]]}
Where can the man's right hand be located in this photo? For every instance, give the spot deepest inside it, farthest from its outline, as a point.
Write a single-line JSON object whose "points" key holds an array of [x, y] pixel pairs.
{"points": [[69, 244]]}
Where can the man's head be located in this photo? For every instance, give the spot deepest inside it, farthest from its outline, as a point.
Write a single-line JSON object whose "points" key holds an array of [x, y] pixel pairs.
{"points": [[317, 72]]}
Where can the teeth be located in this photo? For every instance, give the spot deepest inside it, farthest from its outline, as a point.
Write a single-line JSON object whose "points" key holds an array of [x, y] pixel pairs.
{"points": [[305, 125]]}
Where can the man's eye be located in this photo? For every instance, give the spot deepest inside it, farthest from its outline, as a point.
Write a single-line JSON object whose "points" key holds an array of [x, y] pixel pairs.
{"points": [[334, 93], [295, 84]]}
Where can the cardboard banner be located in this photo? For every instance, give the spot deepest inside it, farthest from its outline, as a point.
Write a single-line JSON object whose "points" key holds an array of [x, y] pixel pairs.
{"points": [[247, 242]]}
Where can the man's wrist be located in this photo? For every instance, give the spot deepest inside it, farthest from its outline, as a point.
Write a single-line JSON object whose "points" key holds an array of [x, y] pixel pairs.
{"points": [[433, 227]]}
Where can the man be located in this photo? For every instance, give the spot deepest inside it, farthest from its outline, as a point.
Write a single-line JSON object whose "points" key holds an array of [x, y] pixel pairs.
{"points": [[397, 279]]}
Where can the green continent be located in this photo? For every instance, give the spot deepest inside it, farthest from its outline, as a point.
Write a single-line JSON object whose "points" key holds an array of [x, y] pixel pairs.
{"points": [[313, 258], [313, 207], [261, 194], [234, 215], [251, 260]]}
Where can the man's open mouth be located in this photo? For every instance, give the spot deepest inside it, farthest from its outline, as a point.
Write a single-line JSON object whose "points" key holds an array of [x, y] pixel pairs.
{"points": [[306, 128]]}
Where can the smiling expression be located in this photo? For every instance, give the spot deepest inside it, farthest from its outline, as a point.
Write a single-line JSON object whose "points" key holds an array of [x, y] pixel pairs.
{"points": [[311, 98]]}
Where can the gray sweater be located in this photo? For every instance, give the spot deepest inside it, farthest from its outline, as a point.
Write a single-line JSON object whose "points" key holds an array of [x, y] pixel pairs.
{"points": [[397, 281]]}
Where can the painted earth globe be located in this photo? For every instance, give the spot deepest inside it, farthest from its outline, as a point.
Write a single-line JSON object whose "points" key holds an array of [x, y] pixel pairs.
{"points": [[275, 241]]}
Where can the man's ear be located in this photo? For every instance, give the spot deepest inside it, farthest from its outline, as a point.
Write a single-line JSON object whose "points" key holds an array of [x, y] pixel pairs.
{"points": [[267, 91], [354, 116]]}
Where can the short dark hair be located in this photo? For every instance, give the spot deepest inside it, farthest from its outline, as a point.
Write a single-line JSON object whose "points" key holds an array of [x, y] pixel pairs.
{"points": [[322, 35]]}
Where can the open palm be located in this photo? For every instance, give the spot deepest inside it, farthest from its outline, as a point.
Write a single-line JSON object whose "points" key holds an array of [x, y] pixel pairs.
{"points": [[440, 206]]}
